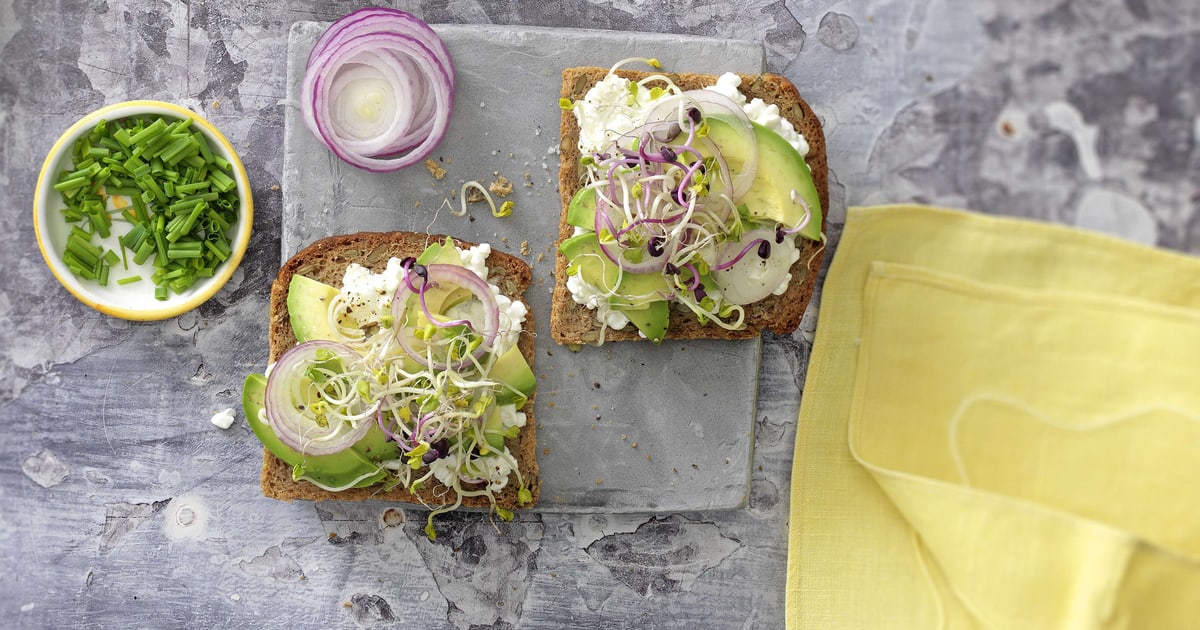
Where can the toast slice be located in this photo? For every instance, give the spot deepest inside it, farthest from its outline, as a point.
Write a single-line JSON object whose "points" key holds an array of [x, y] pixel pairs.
{"points": [[572, 323], [326, 261]]}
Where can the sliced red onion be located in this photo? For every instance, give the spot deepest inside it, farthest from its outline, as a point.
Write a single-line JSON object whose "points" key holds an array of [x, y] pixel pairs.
{"points": [[745, 277], [452, 275], [287, 403], [392, 49], [711, 102]]}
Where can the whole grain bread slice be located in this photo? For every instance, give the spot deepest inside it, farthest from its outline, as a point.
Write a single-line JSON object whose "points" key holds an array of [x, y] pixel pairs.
{"points": [[326, 261], [572, 323]]}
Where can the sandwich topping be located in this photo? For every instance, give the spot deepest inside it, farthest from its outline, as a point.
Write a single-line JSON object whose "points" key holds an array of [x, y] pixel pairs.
{"points": [[691, 200], [401, 378]]}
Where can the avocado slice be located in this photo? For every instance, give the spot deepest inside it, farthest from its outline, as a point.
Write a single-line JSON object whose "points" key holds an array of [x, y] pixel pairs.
{"points": [[597, 270], [493, 429], [354, 467], [652, 321], [308, 306], [781, 169], [513, 372], [581, 212], [441, 252]]}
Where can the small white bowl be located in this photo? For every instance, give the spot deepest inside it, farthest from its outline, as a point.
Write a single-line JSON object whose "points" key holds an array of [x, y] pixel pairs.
{"points": [[134, 301]]}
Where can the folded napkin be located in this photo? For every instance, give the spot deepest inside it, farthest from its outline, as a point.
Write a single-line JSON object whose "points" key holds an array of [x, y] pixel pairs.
{"points": [[1000, 428]]}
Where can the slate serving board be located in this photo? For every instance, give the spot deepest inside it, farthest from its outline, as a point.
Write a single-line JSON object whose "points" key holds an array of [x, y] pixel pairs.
{"points": [[626, 427]]}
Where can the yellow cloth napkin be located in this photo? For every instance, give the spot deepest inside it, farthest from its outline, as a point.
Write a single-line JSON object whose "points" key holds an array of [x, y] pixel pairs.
{"points": [[1000, 428]]}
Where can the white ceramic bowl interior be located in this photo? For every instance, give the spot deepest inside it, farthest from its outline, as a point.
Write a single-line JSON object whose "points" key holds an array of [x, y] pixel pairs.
{"points": [[134, 301]]}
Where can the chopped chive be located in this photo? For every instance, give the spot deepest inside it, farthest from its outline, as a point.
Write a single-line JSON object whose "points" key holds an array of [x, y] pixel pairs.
{"points": [[182, 202], [202, 142], [71, 184], [143, 252], [149, 133]]}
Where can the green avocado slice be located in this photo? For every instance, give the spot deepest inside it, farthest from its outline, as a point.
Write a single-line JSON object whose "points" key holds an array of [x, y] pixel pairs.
{"points": [[513, 373], [597, 270], [354, 467], [652, 321], [781, 169], [581, 212], [308, 307]]}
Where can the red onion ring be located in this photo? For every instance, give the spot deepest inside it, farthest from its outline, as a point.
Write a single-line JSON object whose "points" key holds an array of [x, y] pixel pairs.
{"points": [[295, 427], [391, 46], [452, 275]]}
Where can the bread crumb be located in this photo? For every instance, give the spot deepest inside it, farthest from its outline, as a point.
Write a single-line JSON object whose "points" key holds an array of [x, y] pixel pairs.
{"points": [[599, 480], [275, 187], [347, 605], [501, 187], [550, 404], [525, 250], [417, 204], [545, 451], [541, 256], [634, 445], [216, 104], [623, 437], [474, 195], [435, 169], [649, 459]]}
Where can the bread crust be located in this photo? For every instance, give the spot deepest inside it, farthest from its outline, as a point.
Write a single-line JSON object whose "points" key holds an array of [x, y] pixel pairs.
{"points": [[572, 323], [326, 261]]}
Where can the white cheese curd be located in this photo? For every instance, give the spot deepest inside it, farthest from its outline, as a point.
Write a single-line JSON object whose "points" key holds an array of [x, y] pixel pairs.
{"points": [[368, 296], [223, 419], [445, 469], [605, 112], [760, 112], [498, 469], [475, 259], [582, 292], [494, 468], [510, 417]]}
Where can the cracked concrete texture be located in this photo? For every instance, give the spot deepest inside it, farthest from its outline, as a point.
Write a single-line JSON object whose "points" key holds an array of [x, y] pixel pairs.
{"points": [[1077, 112]]}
